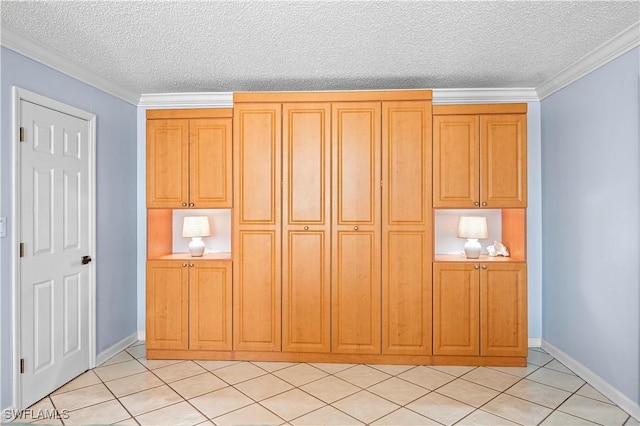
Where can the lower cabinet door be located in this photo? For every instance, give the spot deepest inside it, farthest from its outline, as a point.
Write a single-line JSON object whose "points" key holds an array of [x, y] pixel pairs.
{"points": [[167, 305], [503, 309], [456, 309], [210, 305]]}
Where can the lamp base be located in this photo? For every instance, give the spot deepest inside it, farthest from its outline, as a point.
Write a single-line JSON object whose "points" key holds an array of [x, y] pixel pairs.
{"points": [[472, 248], [196, 247]]}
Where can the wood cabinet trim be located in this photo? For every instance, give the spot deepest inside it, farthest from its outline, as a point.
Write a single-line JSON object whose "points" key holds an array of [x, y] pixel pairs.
{"points": [[163, 114], [356, 96], [475, 109]]}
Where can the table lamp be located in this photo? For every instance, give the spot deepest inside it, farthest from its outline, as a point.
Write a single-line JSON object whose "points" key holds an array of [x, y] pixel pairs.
{"points": [[472, 228], [196, 227]]}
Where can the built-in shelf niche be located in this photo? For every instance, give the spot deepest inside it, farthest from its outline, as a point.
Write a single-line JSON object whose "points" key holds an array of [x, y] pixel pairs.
{"points": [[164, 234], [505, 225]]}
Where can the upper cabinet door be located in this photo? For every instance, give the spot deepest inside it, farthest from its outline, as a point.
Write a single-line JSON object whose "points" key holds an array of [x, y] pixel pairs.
{"points": [[210, 163], [167, 163], [406, 228], [503, 153], [455, 161], [356, 229]]}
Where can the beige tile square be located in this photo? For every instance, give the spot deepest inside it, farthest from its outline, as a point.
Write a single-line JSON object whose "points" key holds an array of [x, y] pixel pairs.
{"points": [[132, 384], [254, 414], [491, 378], [558, 418], [362, 376], [331, 368], [152, 364], [81, 398], [272, 366], [521, 372], [263, 387], [120, 357], [122, 369], [174, 372], [482, 418], [404, 417], [632, 422], [33, 412], [558, 366], [441, 408], [392, 370], [48, 422], [538, 358], [330, 389], [149, 400], [237, 373], [197, 385], [82, 381], [325, 416], [567, 382], [180, 414], [220, 402], [592, 410], [467, 392], [538, 393], [517, 410], [588, 391], [139, 351], [128, 422], [397, 390], [426, 377], [215, 365], [365, 406], [292, 404], [453, 370], [103, 413], [300, 374]]}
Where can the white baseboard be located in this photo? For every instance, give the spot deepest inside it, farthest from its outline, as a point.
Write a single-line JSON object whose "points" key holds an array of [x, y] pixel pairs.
{"points": [[116, 349], [535, 342], [9, 414], [594, 380], [142, 335]]}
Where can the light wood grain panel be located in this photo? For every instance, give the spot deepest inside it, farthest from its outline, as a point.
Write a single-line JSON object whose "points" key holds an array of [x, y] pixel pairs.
{"points": [[342, 96], [503, 160], [456, 309], [477, 109], [210, 305], [514, 232], [503, 309], [159, 232], [210, 163], [167, 163], [189, 113], [167, 305], [456, 161]]}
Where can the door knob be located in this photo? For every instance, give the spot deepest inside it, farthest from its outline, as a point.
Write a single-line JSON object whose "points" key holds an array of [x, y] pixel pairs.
{"points": [[306, 228], [355, 228], [85, 259]]}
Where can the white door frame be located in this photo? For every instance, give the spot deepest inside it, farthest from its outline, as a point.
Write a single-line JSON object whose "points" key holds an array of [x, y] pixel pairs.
{"points": [[20, 94]]}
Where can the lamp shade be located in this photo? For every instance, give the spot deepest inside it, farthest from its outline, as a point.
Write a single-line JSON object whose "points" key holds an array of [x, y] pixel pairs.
{"points": [[472, 227], [196, 226]]}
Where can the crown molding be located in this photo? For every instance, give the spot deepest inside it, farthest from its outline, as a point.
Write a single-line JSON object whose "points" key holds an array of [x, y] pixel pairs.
{"points": [[610, 50], [187, 100], [19, 43], [484, 96]]}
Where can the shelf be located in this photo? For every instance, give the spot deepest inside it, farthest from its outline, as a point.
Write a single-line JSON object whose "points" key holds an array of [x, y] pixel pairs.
{"points": [[187, 256], [483, 259]]}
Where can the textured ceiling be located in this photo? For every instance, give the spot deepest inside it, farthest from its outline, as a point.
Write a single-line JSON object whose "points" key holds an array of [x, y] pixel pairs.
{"points": [[222, 46]]}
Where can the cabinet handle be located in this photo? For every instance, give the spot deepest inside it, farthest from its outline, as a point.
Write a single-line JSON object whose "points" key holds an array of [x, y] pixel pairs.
{"points": [[476, 267], [355, 228], [476, 203], [184, 204], [484, 203], [484, 266], [184, 265], [306, 228], [191, 265], [191, 205]]}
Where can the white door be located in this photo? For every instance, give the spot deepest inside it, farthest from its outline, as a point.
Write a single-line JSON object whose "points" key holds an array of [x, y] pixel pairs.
{"points": [[55, 231]]}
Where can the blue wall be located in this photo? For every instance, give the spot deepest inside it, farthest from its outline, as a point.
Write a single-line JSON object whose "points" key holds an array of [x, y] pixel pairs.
{"points": [[591, 220], [115, 205]]}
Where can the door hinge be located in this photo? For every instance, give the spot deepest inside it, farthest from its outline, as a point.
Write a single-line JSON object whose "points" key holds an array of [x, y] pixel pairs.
{"points": [[21, 249], [21, 365], [21, 134]]}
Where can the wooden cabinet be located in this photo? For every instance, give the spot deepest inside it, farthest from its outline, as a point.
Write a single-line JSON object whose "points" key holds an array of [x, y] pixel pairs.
{"points": [[406, 228], [480, 156], [356, 245], [480, 309], [188, 305], [189, 158], [257, 227]]}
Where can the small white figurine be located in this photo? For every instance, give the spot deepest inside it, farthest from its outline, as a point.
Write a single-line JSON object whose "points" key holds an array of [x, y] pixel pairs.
{"points": [[497, 249]]}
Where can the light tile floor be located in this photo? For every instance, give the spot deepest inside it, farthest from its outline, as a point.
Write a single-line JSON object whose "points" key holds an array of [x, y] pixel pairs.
{"points": [[128, 389]]}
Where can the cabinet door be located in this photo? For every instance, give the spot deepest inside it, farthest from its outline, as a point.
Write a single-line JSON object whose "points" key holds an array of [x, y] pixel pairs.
{"points": [[406, 228], [257, 228], [210, 305], [210, 163], [167, 305], [503, 149], [356, 227], [456, 161], [167, 163], [456, 305], [306, 242], [503, 309]]}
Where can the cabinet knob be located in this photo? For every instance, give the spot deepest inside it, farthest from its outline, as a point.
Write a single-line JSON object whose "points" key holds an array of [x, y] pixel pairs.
{"points": [[484, 266], [184, 204], [191, 205], [476, 203], [191, 265], [184, 265], [355, 228], [476, 267], [306, 228], [484, 203]]}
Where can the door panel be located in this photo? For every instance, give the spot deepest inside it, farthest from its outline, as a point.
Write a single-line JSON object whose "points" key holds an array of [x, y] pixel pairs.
{"points": [[167, 163]]}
